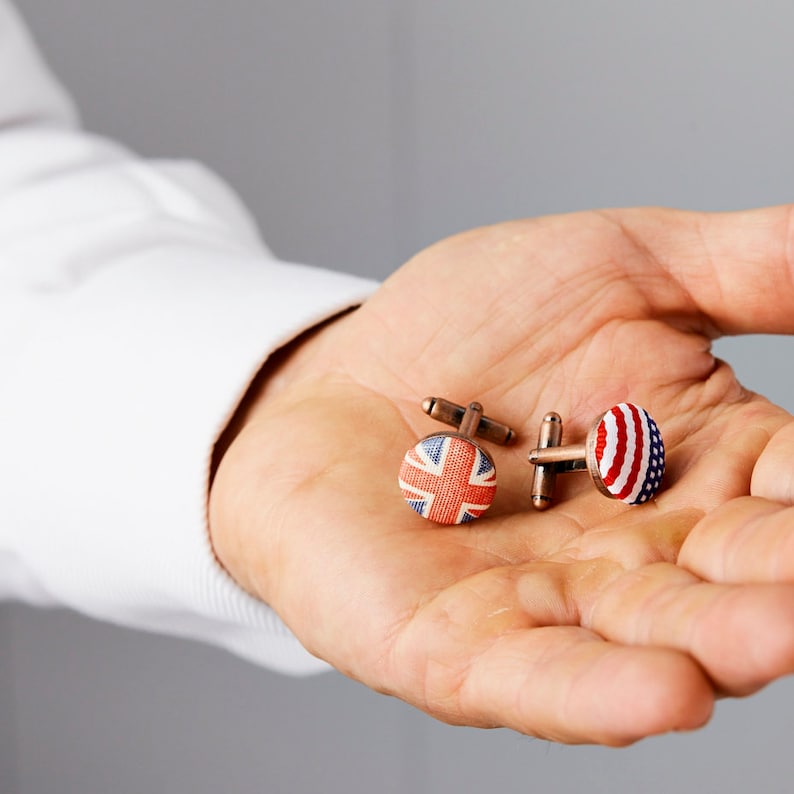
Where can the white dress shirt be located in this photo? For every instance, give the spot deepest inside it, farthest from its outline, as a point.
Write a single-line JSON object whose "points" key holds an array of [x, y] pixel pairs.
{"points": [[137, 302]]}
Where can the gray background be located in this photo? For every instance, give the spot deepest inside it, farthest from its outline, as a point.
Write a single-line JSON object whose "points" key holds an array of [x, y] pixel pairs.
{"points": [[359, 131]]}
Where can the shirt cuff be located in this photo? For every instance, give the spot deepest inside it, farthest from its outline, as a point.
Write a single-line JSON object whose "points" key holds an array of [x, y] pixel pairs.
{"points": [[114, 407]]}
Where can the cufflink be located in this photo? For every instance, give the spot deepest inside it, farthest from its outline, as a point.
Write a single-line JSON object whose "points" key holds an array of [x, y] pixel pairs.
{"points": [[448, 477], [623, 453]]}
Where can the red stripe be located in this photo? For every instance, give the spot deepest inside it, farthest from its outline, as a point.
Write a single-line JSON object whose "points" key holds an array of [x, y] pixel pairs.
{"points": [[601, 441], [620, 447], [635, 465]]}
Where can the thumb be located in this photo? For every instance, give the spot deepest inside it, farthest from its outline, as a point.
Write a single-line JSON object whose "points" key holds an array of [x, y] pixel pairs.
{"points": [[736, 269]]}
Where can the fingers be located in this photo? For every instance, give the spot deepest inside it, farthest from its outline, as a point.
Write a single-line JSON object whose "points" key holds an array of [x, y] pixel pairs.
{"points": [[742, 636], [751, 539], [496, 651], [588, 651], [745, 540], [773, 475], [567, 684], [736, 268]]}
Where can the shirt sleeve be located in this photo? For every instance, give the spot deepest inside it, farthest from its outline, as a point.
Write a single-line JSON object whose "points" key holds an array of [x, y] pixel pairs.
{"points": [[137, 303]]}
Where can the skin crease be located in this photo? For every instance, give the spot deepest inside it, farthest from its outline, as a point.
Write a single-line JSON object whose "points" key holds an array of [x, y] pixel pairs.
{"points": [[593, 621]]}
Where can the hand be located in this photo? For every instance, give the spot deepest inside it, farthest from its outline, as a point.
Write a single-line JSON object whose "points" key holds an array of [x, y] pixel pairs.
{"points": [[593, 621]]}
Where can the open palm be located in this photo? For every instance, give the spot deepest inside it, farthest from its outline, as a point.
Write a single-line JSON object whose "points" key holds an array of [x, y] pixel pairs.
{"points": [[592, 621]]}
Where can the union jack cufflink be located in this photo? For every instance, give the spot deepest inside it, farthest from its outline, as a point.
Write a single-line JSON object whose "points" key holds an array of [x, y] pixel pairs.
{"points": [[624, 454], [448, 477]]}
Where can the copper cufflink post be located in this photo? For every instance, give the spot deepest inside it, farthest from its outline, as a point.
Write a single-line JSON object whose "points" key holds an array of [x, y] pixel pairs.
{"points": [[543, 481], [469, 420]]}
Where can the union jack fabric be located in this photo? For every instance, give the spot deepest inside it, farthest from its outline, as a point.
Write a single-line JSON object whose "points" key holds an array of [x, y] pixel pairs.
{"points": [[630, 453], [448, 479]]}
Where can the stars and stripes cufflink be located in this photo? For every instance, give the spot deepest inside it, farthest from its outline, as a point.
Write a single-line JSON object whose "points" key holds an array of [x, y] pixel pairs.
{"points": [[624, 454], [448, 477]]}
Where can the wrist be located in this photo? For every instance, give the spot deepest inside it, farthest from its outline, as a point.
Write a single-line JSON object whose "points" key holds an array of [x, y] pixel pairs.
{"points": [[236, 459]]}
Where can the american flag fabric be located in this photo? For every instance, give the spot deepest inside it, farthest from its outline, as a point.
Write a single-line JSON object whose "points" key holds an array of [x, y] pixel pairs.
{"points": [[629, 452], [448, 479]]}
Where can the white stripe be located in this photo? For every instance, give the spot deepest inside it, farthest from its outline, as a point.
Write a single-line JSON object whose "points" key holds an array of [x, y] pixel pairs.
{"points": [[481, 479], [431, 466], [631, 445], [611, 445], [468, 507], [419, 495]]}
